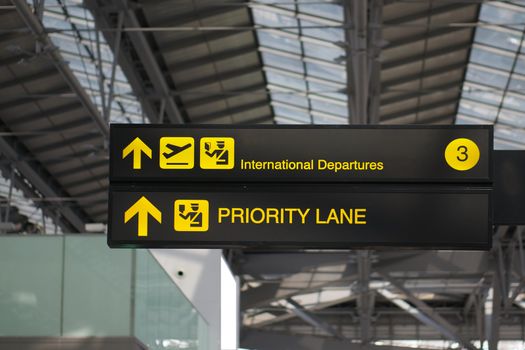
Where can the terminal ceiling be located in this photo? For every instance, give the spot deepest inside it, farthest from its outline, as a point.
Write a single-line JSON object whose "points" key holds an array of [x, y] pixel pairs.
{"points": [[71, 67]]}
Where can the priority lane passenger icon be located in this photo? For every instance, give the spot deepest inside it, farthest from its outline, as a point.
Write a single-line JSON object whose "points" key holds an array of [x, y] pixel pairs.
{"points": [[217, 153], [177, 153], [191, 215]]}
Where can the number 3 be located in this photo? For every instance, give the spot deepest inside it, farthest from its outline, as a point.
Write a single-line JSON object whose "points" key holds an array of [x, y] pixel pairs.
{"points": [[462, 151]]}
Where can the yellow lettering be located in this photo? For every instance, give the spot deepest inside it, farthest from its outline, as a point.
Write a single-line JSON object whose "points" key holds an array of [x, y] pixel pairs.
{"points": [[237, 213], [303, 215], [347, 216], [360, 216], [272, 213], [252, 216], [223, 213], [318, 219], [332, 216]]}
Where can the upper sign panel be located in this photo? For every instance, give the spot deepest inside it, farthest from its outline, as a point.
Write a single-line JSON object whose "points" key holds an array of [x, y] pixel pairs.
{"points": [[150, 153]]}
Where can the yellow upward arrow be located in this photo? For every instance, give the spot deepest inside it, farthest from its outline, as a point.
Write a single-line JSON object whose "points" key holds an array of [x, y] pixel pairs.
{"points": [[143, 207], [137, 146]]}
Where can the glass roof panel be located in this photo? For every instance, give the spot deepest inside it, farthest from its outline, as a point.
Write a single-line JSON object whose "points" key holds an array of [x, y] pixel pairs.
{"points": [[330, 11], [520, 65], [78, 45], [272, 60], [303, 62], [498, 37], [503, 13], [491, 58], [494, 87], [290, 98], [323, 52], [280, 42]]}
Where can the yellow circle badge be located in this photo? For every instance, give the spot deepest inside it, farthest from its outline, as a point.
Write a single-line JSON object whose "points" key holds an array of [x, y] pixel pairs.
{"points": [[462, 154]]}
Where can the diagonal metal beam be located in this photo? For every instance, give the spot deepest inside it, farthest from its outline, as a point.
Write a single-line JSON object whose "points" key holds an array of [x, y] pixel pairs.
{"points": [[39, 32], [147, 57], [421, 311], [312, 319], [38, 176], [313, 309]]}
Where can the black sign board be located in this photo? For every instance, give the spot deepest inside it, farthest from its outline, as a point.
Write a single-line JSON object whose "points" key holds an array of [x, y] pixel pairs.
{"points": [[344, 154], [313, 216], [509, 187]]}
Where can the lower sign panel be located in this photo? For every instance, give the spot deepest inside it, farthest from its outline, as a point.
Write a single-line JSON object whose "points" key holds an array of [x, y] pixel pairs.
{"points": [[324, 216]]}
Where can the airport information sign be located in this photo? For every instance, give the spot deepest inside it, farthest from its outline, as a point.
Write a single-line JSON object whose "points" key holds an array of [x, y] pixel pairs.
{"points": [[305, 216], [301, 187], [414, 154]]}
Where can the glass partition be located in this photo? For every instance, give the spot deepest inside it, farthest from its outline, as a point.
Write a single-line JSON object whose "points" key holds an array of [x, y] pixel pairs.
{"points": [[77, 286]]}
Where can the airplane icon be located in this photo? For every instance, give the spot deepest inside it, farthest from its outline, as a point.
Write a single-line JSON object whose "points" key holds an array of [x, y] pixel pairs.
{"points": [[175, 150]]}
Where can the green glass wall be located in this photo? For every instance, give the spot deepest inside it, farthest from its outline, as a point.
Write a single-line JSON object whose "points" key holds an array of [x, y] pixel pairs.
{"points": [[164, 318], [30, 286], [77, 286]]}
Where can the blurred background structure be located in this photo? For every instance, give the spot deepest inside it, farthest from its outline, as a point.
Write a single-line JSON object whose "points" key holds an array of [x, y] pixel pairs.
{"points": [[69, 68]]}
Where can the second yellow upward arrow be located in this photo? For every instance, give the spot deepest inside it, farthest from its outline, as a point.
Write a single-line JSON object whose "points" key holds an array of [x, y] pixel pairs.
{"points": [[143, 207]]}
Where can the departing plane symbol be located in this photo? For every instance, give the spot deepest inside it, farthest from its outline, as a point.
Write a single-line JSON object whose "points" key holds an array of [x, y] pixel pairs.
{"points": [[175, 150]]}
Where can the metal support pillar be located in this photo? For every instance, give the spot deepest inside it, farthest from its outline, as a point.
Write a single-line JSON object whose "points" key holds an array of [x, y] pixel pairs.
{"points": [[39, 8], [365, 301], [162, 110], [517, 245], [101, 75], [493, 314], [356, 18], [375, 45], [363, 19], [116, 52], [497, 293], [39, 13]]}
